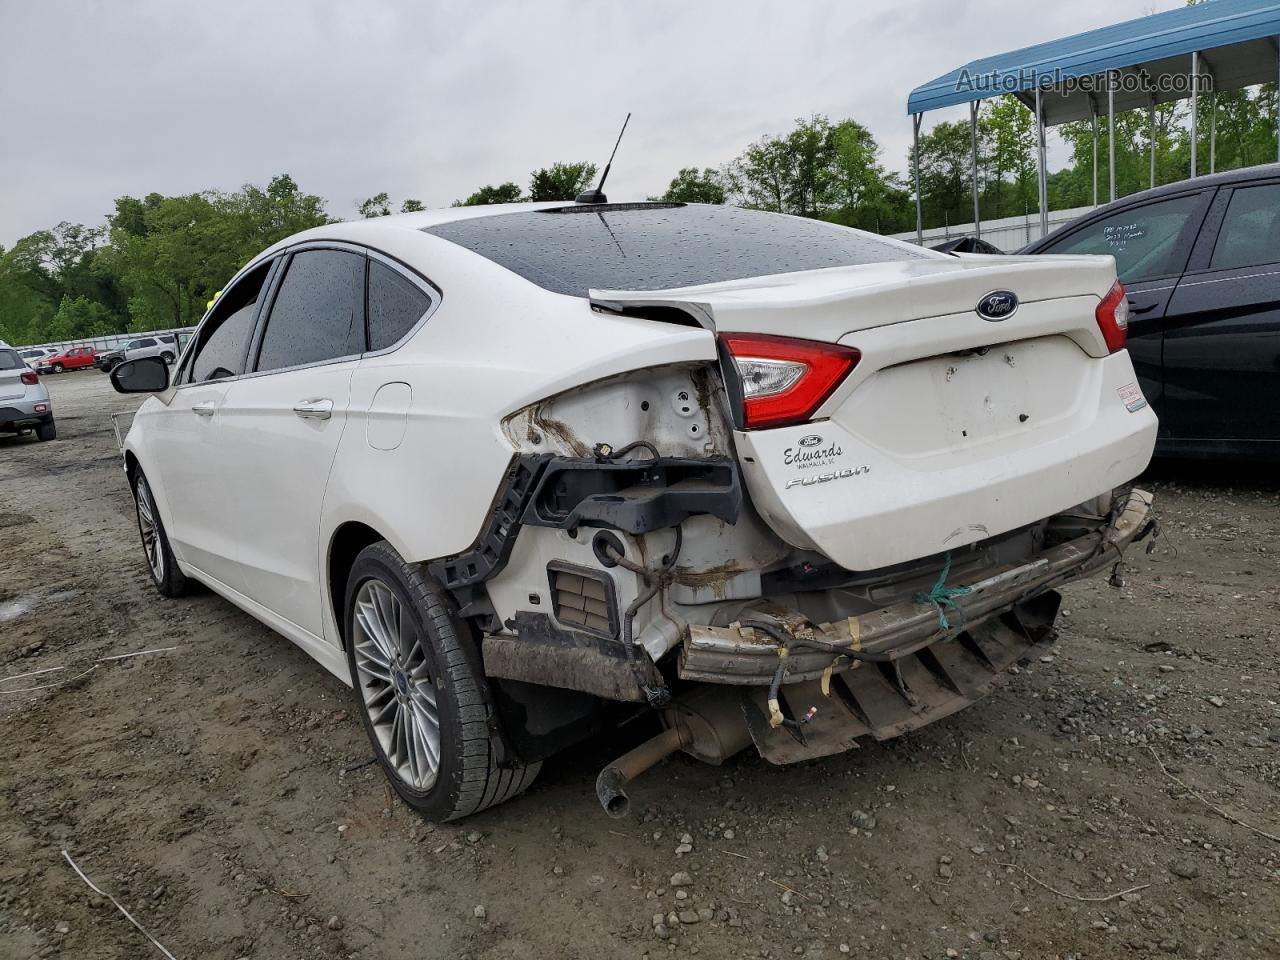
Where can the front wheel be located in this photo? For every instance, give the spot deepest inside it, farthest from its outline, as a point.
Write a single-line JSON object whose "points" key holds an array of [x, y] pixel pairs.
{"points": [[169, 580], [58, 368], [167, 357], [420, 692]]}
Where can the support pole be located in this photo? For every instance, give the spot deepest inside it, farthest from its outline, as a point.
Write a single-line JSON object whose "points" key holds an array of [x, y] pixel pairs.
{"points": [[1093, 121], [1041, 173], [1213, 131], [1195, 108], [973, 144], [1111, 131], [915, 164], [1151, 116], [1277, 40]]}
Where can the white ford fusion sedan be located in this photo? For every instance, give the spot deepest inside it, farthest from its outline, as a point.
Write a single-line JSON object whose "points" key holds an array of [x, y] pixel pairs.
{"points": [[514, 472]]}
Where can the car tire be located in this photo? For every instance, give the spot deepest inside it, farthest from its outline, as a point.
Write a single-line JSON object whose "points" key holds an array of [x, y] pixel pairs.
{"points": [[412, 665], [169, 580], [167, 357], [47, 431], [57, 368]]}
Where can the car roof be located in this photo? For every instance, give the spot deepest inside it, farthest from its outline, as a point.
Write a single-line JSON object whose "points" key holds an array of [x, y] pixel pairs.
{"points": [[1262, 172]]}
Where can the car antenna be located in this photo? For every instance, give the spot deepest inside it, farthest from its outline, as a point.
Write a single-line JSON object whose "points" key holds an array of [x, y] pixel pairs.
{"points": [[597, 195]]}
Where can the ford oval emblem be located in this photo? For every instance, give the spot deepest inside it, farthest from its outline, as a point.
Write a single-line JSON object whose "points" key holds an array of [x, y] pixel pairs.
{"points": [[810, 441], [998, 305]]}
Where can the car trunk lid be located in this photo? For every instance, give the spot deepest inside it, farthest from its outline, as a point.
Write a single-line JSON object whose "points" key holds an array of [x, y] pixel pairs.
{"points": [[950, 428]]}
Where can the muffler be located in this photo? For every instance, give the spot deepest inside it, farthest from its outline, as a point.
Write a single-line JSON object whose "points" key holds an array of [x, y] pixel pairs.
{"points": [[707, 723]]}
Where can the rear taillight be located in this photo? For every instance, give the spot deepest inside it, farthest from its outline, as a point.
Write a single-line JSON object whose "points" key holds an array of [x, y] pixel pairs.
{"points": [[785, 380], [29, 378], [1113, 317]]}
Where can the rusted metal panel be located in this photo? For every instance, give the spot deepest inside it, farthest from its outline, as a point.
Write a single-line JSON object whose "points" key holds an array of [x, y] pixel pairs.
{"points": [[874, 701]]}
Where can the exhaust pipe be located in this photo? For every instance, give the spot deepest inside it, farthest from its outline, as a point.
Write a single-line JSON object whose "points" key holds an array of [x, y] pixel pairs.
{"points": [[707, 723], [613, 779]]}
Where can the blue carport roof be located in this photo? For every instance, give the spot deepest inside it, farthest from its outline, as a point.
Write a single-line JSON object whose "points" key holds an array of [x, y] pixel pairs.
{"points": [[1160, 44]]}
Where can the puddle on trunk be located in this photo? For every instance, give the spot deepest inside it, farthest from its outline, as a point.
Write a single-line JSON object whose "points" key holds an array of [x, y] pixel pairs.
{"points": [[13, 609]]}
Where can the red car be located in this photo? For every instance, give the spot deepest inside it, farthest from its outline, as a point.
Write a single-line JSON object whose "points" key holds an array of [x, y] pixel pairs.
{"points": [[71, 359]]}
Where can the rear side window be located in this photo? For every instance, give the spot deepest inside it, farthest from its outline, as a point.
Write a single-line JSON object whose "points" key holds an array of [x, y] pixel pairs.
{"points": [[9, 360], [1250, 232], [319, 312], [1144, 240], [224, 336], [395, 305], [654, 246]]}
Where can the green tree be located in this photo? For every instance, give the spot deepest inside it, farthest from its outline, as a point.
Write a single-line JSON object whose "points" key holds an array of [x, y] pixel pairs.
{"points": [[171, 254], [945, 192], [81, 319], [503, 193], [692, 186], [379, 205], [24, 310], [560, 181]]}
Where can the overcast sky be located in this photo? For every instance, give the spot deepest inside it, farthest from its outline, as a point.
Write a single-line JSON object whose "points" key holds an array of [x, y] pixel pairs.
{"points": [[433, 99]]}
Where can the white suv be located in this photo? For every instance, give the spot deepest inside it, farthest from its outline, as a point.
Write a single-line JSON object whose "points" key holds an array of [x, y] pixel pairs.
{"points": [[160, 345], [512, 472]]}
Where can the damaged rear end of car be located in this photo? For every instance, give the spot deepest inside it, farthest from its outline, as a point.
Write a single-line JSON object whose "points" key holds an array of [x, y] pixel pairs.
{"points": [[849, 524]]}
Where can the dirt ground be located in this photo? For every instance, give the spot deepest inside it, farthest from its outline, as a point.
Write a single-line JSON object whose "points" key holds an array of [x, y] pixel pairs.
{"points": [[204, 787]]}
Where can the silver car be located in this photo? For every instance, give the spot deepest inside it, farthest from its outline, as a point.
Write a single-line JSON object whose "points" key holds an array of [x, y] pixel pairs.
{"points": [[24, 401]]}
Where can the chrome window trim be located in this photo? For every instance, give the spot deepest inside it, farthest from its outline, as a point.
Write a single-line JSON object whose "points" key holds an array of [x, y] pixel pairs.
{"points": [[271, 288], [419, 281], [1247, 276]]}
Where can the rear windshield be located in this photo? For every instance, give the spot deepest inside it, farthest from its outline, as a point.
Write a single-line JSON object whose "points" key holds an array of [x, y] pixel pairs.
{"points": [[656, 246], [9, 360]]}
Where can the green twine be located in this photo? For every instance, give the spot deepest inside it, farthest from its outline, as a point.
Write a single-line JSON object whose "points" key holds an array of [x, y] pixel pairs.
{"points": [[940, 596]]}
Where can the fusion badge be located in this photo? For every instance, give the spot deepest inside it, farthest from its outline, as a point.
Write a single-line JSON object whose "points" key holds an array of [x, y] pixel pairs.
{"points": [[826, 477]]}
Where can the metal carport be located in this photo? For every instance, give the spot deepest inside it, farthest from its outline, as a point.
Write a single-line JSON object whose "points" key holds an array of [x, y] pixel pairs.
{"points": [[1223, 44]]}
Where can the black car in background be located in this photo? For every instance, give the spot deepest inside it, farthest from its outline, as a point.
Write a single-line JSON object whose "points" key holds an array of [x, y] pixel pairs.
{"points": [[1201, 262]]}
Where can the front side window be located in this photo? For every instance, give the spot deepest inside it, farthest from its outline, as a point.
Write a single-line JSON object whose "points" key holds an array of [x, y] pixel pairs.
{"points": [[1144, 240], [224, 337], [1250, 232], [319, 312], [395, 305]]}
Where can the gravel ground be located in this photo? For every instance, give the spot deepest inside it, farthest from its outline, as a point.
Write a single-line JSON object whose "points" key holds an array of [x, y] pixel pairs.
{"points": [[204, 787]]}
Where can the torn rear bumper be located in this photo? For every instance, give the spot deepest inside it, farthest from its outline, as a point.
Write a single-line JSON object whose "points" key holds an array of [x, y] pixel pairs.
{"points": [[922, 671], [741, 655]]}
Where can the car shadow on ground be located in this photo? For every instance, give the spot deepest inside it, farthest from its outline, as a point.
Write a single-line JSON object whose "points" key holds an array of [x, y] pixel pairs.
{"points": [[1218, 474]]}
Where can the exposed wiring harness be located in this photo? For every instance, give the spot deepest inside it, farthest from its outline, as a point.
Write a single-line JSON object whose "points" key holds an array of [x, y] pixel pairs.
{"points": [[658, 695]]}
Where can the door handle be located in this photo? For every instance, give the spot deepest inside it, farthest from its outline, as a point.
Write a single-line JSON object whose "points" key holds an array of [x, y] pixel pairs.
{"points": [[204, 409], [1139, 311], [318, 408]]}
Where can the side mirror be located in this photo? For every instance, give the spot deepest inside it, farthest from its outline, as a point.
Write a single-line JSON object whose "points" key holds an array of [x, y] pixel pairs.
{"points": [[145, 375]]}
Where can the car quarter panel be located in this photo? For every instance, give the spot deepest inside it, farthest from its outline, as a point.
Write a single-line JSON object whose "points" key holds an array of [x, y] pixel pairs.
{"points": [[494, 345]]}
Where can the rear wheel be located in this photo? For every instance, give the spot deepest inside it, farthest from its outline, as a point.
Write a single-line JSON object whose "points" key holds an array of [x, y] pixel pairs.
{"points": [[167, 357], [169, 580], [47, 431], [420, 693]]}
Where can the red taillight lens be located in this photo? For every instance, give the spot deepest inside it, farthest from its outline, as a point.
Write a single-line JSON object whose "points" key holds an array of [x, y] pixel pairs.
{"points": [[1113, 317], [785, 380], [29, 378]]}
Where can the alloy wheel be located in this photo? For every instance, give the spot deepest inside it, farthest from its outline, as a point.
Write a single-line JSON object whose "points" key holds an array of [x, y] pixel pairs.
{"points": [[149, 529], [395, 684]]}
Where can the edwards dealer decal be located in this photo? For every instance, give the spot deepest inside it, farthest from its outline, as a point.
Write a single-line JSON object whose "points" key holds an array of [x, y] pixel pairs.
{"points": [[811, 453]]}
